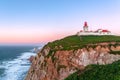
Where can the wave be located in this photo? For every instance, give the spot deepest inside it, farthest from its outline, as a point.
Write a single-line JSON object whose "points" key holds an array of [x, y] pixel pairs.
{"points": [[16, 69]]}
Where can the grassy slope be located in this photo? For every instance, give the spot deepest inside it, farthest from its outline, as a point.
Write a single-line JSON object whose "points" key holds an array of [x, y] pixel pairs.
{"points": [[98, 72], [75, 42]]}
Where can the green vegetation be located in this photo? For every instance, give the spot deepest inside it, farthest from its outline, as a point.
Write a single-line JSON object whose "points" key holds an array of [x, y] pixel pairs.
{"points": [[114, 52], [75, 42], [50, 53], [60, 66], [98, 72]]}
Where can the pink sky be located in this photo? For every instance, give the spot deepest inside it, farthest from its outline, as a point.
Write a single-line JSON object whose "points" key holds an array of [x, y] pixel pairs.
{"points": [[23, 36], [44, 21]]}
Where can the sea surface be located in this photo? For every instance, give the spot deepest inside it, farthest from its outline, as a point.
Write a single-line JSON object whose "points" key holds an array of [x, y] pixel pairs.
{"points": [[14, 63]]}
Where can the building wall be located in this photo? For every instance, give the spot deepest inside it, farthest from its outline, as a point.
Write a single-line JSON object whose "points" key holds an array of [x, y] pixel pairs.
{"points": [[92, 33]]}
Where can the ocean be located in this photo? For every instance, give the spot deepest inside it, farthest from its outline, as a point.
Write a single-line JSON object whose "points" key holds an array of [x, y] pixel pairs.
{"points": [[14, 63]]}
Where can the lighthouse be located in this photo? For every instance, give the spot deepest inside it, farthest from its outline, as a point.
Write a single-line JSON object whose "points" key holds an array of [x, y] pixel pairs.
{"points": [[85, 27], [85, 31]]}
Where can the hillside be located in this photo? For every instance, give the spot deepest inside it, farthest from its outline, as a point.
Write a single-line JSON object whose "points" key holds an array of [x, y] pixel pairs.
{"points": [[98, 72], [76, 42], [73, 56]]}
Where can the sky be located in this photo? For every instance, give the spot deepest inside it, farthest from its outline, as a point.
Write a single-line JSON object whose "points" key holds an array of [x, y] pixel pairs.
{"points": [[42, 21]]}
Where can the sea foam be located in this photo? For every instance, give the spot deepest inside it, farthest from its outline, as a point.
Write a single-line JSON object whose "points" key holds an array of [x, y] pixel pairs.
{"points": [[16, 69]]}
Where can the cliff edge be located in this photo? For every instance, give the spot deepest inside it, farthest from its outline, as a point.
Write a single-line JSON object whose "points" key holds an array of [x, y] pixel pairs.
{"points": [[61, 58]]}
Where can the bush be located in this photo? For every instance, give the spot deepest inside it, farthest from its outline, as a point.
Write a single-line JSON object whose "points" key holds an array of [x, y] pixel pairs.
{"points": [[98, 72]]}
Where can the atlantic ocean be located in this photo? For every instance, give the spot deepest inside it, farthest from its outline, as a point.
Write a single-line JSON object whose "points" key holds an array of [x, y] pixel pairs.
{"points": [[14, 63]]}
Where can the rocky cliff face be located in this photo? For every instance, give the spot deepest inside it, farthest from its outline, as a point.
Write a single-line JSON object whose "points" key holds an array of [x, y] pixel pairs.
{"points": [[57, 65]]}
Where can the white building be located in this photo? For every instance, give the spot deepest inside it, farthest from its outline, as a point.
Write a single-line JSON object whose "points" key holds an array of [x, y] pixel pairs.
{"points": [[86, 31]]}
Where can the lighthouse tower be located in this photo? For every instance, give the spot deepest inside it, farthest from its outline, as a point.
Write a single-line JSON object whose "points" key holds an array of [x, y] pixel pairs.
{"points": [[85, 27]]}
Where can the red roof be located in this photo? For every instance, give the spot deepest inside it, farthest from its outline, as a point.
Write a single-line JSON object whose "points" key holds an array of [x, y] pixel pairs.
{"points": [[85, 24], [105, 31]]}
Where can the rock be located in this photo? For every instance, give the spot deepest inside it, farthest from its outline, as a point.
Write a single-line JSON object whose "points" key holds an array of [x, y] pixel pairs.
{"points": [[31, 58], [63, 63]]}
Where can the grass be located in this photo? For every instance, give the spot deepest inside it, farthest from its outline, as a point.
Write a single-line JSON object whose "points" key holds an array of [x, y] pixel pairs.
{"points": [[114, 52], [75, 42], [98, 72]]}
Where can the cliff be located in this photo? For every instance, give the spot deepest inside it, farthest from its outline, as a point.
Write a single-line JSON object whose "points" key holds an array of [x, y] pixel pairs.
{"points": [[59, 59]]}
